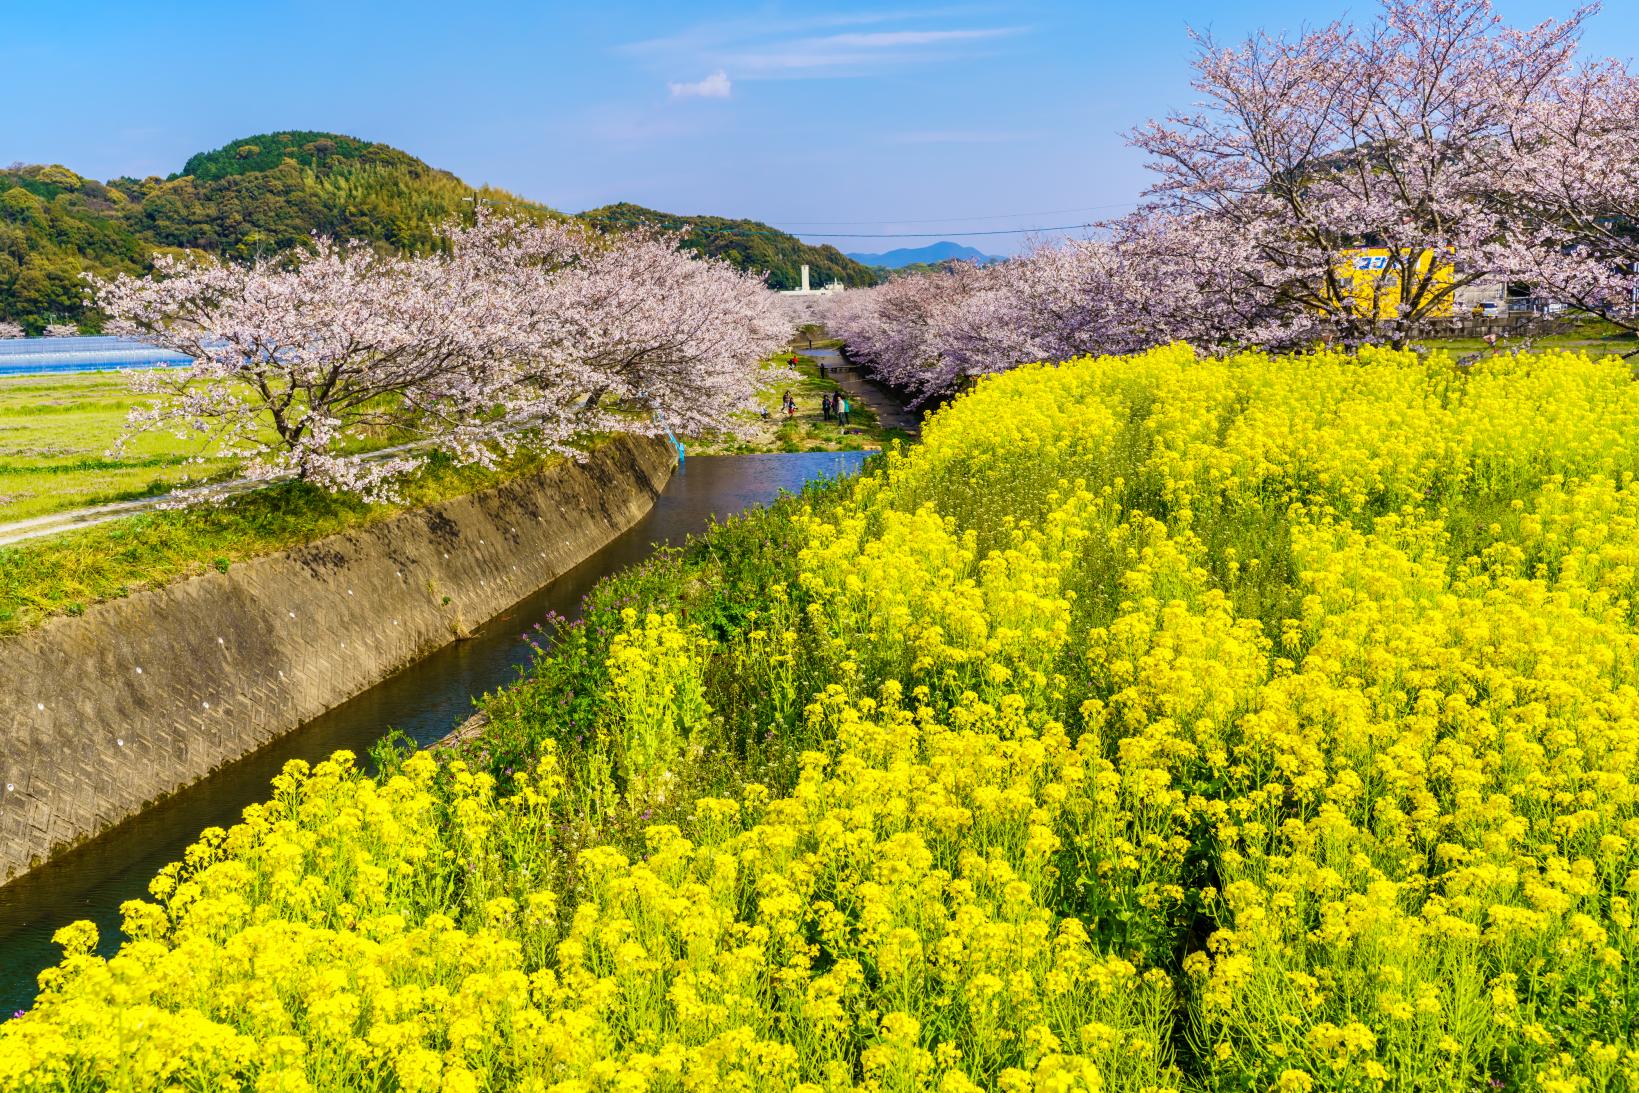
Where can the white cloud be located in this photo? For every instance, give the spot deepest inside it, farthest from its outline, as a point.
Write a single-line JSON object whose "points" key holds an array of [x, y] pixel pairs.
{"points": [[822, 46], [715, 86], [717, 32]]}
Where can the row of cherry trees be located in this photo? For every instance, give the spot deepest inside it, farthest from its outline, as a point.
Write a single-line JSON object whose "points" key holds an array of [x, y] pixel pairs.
{"points": [[1457, 148], [514, 335]]}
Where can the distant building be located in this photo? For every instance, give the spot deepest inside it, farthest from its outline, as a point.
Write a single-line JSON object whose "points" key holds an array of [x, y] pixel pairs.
{"points": [[1474, 297], [805, 290]]}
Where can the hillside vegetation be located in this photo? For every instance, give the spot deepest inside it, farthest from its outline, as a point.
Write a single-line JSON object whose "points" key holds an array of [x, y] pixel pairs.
{"points": [[54, 226], [269, 192], [746, 244], [256, 195], [1157, 723]]}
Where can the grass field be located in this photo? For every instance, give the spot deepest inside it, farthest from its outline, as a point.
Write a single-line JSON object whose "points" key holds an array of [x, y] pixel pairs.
{"points": [[65, 574], [56, 433], [1595, 339], [55, 436]]}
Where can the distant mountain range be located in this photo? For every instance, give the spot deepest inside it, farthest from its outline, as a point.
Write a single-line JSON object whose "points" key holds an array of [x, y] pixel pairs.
{"points": [[932, 254], [265, 193]]}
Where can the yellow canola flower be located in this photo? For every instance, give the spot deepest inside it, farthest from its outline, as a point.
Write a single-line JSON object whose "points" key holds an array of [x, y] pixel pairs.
{"points": [[1282, 710]]}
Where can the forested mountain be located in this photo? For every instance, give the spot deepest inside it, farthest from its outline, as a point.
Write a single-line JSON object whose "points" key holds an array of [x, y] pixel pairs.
{"points": [[266, 193], [54, 225], [748, 244], [258, 194]]}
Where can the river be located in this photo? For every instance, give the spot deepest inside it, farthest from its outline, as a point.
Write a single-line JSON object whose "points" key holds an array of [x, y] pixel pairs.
{"points": [[425, 701]]}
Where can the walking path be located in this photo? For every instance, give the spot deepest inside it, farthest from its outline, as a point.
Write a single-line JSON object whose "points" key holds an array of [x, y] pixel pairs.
{"points": [[53, 523], [890, 412]]}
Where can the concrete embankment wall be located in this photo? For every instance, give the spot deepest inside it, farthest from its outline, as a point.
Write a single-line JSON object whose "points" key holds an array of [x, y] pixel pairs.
{"points": [[105, 713]]}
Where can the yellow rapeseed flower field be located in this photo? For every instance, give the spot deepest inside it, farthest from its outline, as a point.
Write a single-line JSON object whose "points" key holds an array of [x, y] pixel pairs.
{"points": [[1158, 723]]}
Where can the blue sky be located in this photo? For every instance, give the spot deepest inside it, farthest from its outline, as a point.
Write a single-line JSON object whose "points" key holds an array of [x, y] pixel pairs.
{"points": [[819, 118]]}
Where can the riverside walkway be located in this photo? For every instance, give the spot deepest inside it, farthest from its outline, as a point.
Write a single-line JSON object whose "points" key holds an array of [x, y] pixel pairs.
{"points": [[890, 411]]}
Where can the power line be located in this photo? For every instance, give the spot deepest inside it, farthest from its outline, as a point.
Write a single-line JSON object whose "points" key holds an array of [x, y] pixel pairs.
{"points": [[947, 235], [962, 219], [685, 225], [688, 227]]}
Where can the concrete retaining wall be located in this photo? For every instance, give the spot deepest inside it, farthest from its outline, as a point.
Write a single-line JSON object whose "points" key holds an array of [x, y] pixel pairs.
{"points": [[105, 713]]}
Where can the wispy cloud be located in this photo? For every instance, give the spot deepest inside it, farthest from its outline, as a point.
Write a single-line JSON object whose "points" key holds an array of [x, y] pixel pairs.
{"points": [[825, 46], [960, 136], [855, 54], [888, 38], [715, 86], [717, 32]]}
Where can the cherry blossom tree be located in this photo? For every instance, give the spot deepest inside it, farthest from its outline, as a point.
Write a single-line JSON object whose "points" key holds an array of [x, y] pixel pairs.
{"points": [[899, 329], [10, 330], [1395, 138], [300, 362], [61, 330], [1575, 188], [1146, 280], [1436, 147], [654, 326], [347, 368]]}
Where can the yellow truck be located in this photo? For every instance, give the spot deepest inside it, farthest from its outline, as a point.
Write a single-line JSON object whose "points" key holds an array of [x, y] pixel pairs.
{"points": [[1373, 283]]}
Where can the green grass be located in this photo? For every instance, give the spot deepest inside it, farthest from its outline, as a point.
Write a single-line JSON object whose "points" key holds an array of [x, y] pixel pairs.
{"points": [[65, 574], [56, 433], [1597, 339]]}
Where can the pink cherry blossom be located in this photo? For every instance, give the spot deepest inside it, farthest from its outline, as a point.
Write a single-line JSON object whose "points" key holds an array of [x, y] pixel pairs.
{"points": [[1443, 144], [514, 335]]}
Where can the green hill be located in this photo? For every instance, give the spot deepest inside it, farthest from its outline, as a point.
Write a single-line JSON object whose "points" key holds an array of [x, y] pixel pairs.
{"points": [[273, 191], [269, 192], [255, 195], [748, 244], [308, 149], [54, 225]]}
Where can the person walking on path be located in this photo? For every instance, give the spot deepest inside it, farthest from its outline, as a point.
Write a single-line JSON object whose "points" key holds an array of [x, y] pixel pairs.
{"points": [[842, 410]]}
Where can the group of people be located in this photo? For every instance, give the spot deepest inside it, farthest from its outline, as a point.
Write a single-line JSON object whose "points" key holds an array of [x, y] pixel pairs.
{"points": [[834, 407]]}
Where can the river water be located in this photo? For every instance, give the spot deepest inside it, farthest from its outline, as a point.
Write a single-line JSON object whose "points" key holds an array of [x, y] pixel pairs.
{"points": [[425, 701]]}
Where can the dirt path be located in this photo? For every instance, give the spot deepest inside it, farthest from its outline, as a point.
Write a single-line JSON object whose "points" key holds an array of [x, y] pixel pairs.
{"points": [[890, 412]]}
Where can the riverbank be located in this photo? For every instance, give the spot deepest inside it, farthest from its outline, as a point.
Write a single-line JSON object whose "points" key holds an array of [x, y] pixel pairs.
{"points": [[422, 703], [67, 574], [108, 711]]}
